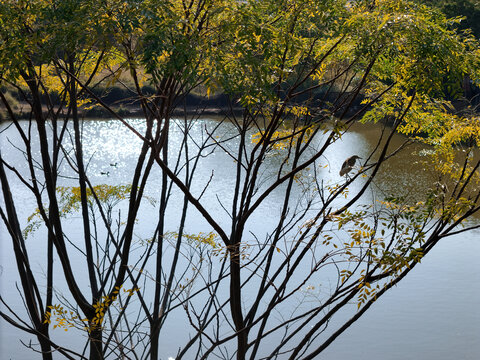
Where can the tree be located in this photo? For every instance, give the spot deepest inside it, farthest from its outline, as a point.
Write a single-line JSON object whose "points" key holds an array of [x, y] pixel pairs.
{"points": [[304, 72], [469, 13], [469, 10]]}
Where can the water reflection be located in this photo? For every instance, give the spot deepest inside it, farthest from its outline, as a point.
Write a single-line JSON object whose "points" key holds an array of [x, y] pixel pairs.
{"points": [[433, 313]]}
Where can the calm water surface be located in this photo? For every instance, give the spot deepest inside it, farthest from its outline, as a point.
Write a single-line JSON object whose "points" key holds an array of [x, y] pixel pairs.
{"points": [[433, 314]]}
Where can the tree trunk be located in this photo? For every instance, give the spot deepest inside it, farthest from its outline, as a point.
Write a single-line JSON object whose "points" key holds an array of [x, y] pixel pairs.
{"points": [[45, 345], [96, 343], [236, 301]]}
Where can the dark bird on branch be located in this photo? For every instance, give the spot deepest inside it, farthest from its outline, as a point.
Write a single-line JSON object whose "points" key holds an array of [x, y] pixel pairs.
{"points": [[348, 165]]}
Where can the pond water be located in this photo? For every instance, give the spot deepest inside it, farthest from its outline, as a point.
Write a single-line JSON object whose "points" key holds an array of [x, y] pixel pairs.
{"points": [[433, 314]]}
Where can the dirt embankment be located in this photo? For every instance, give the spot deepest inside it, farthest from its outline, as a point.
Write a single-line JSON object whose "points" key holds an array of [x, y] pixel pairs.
{"points": [[124, 102]]}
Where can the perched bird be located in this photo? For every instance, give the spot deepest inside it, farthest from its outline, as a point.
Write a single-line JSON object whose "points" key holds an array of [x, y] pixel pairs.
{"points": [[348, 165]]}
